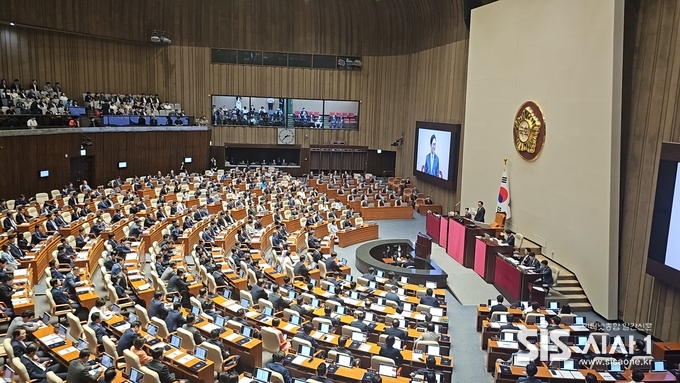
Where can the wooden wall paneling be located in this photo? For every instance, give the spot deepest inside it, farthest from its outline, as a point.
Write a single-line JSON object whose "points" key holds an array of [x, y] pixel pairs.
{"points": [[650, 117]]}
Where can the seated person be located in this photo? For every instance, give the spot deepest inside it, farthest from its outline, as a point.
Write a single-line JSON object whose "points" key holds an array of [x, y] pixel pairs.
{"points": [[531, 371], [321, 374], [498, 307], [277, 366], [388, 351], [138, 349], [429, 299], [303, 333], [37, 371]]}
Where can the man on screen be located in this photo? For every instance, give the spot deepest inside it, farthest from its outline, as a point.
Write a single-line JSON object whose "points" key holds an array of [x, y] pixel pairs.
{"points": [[431, 166]]}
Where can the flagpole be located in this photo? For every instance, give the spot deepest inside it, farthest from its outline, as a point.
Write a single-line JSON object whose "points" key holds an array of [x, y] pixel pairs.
{"points": [[505, 163]]}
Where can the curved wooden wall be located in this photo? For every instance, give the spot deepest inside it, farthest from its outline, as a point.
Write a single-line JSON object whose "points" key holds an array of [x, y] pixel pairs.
{"points": [[651, 84], [354, 27]]}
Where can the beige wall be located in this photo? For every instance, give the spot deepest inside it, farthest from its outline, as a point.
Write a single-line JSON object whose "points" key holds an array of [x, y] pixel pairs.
{"points": [[566, 56]]}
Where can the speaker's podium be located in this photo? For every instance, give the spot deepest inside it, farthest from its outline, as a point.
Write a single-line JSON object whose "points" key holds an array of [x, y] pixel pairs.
{"points": [[423, 246], [461, 239]]}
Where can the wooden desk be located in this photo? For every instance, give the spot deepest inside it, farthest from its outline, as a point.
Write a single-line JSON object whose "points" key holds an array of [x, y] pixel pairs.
{"points": [[387, 212], [511, 281], [668, 351], [544, 375], [368, 231], [485, 257], [461, 240], [423, 209]]}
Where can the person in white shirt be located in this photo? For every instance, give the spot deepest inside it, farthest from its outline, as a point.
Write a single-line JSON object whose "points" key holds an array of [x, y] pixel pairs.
{"points": [[333, 227], [100, 307], [32, 123]]}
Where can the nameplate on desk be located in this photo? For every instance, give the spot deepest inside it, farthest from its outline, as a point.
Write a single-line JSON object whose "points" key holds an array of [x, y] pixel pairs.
{"points": [[377, 307], [174, 354], [67, 350], [233, 336], [133, 278], [494, 325], [185, 359], [607, 377], [135, 244], [318, 335]]}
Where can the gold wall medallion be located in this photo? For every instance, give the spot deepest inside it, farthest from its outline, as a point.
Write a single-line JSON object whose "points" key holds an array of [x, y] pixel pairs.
{"points": [[529, 131]]}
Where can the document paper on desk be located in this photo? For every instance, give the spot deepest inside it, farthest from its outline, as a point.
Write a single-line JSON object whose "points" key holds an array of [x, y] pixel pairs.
{"points": [[607, 377], [365, 347], [208, 327], [174, 354], [299, 359], [289, 327], [185, 359], [233, 336], [577, 375], [67, 350]]}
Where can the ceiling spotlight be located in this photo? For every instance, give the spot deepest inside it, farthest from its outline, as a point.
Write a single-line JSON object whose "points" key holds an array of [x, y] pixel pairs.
{"points": [[155, 38], [12, 24], [165, 40]]}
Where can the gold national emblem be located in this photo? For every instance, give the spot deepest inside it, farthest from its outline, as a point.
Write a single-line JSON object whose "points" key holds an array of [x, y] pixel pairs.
{"points": [[529, 131]]}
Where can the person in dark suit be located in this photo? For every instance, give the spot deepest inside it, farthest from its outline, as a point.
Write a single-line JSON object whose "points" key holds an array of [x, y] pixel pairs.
{"points": [[509, 325], [18, 342], [128, 338], [479, 217], [157, 307], [135, 229], [546, 274], [331, 265], [10, 223], [395, 330], [531, 261], [297, 306], [431, 166], [327, 311], [60, 297], [393, 296], [277, 366], [189, 326], [388, 351], [37, 236], [301, 269], [174, 319], [359, 321], [303, 333], [178, 283], [96, 326], [160, 368], [531, 371], [320, 376], [429, 299], [258, 292], [36, 370], [217, 342], [277, 300], [80, 371], [370, 274], [499, 306], [554, 323]]}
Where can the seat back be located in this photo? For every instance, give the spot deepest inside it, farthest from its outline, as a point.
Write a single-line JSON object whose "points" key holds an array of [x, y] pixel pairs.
{"points": [[348, 330], [376, 361], [20, 370], [287, 313], [496, 315], [361, 281], [75, 329], [215, 355], [91, 339], [162, 327], [236, 326], [52, 377], [263, 302], [142, 315], [110, 347], [422, 344], [532, 318], [519, 240], [246, 295], [322, 271], [423, 308], [7, 344], [150, 376], [187, 339], [317, 321], [131, 360], [641, 362], [567, 319], [270, 340]]}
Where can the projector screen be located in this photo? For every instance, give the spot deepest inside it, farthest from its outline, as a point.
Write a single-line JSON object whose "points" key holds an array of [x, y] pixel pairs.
{"points": [[436, 152], [663, 258]]}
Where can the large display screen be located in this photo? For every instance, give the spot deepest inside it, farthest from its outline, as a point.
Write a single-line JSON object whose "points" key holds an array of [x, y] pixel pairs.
{"points": [[663, 260], [290, 112], [436, 152]]}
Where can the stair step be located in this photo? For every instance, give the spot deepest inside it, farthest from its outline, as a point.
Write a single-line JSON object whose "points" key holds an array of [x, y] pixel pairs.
{"points": [[576, 298], [568, 289], [573, 282]]}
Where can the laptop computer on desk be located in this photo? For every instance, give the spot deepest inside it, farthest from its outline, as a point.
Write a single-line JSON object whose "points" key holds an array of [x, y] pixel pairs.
{"points": [[358, 338], [202, 355]]}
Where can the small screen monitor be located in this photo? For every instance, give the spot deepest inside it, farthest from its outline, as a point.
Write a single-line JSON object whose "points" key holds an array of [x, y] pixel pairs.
{"points": [[580, 321], [354, 294], [438, 312], [245, 303], [187, 160], [331, 289], [348, 278], [195, 310], [292, 295], [397, 343], [509, 336], [615, 366], [296, 320], [46, 317], [122, 165], [8, 374], [314, 302], [325, 328], [136, 376], [261, 375], [82, 344], [107, 360], [403, 279], [226, 294], [313, 282], [44, 173], [61, 331], [569, 365], [132, 318], [305, 350], [380, 274], [115, 309], [344, 360], [201, 353], [175, 341], [247, 331], [219, 321], [369, 317], [372, 285], [658, 366], [402, 323], [433, 350], [268, 311], [554, 305], [340, 310], [581, 341], [152, 329], [520, 360], [359, 337], [430, 284], [388, 370]]}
